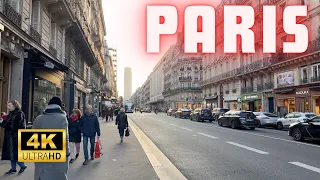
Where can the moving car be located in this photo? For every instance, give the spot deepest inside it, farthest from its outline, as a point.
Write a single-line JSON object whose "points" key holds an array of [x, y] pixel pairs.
{"points": [[266, 119], [182, 113], [238, 119], [217, 112], [309, 129], [129, 107], [201, 115], [284, 123], [171, 112]]}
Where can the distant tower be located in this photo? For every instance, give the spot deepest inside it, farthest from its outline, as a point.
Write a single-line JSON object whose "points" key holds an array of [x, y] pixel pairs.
{"points": [[127, 83]]}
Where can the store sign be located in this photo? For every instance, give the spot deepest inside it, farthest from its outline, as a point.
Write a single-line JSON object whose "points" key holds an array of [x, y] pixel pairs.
{"points": [[49, 65], [285, 78], [302, 92], [251, 97]]}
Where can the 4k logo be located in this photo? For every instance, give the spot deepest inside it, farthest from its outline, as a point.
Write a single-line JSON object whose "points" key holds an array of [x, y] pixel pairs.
{"points": [[45, 145]]}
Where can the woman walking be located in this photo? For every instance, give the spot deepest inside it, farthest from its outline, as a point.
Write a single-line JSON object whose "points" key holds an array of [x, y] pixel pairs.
{"points": [[74, 134], [15, 121], [122, 122]]}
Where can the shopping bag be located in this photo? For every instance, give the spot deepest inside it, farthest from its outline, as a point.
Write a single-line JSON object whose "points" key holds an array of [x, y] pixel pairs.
{"points": [[97, 150], [127, 132]]}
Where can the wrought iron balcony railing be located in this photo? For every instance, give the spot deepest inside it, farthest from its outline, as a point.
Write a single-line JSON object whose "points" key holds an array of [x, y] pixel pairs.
{"points": [[35, 35], [265, 86], [12, 14], [304, 81]]}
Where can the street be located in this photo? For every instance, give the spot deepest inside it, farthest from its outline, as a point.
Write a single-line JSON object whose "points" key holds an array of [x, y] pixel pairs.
{"points": [[203, 150]]}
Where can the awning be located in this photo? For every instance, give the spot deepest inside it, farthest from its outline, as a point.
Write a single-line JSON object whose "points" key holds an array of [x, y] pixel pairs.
{"points": [[40, 60], [285, 91], [211, 97], [315, 88]]}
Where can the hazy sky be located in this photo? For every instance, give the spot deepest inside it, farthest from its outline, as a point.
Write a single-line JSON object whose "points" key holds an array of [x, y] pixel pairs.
{"points": [[125, 31]]}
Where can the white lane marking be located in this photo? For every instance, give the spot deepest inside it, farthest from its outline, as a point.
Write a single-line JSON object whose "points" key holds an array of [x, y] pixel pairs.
{"points": [[207, 135], [311, 168], [186, 129], [194, 135], [173, 125], [247, 148]]}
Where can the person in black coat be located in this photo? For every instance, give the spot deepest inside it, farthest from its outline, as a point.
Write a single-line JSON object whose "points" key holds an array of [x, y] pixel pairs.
{"points": [[74, 134], [15, 121], [122, 122]]}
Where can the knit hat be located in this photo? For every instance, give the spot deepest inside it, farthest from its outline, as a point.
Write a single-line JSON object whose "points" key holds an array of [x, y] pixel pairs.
{"points": [[55, 100]]}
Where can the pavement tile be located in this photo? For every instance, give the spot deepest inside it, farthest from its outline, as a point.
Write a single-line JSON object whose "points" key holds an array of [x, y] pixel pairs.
{"points": [[120, 161]]}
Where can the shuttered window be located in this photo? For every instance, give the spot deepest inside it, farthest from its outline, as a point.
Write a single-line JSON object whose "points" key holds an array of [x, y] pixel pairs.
{"points": [[53, 35], [36, 15]]}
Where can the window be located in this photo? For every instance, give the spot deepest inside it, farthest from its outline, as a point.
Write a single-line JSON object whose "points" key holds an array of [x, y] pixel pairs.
{"points": [[315, 70], [304, 74], [53, 35], [15, 4], [36, 16], [189, 85]]}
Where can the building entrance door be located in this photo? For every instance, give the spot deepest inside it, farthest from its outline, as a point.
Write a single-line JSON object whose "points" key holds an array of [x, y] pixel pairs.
{"points": [[4, 85], [251, 106], [271, 104]]}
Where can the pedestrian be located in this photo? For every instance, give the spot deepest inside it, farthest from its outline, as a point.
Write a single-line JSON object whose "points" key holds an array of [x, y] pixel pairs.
{"points": [[110, 114], [74, 134], [53, 117], [122, 122], [11, 124], [90, 127]]}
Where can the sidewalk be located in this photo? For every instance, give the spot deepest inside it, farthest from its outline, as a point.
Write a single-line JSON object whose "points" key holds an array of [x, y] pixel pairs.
{"points": [[126, 161]]}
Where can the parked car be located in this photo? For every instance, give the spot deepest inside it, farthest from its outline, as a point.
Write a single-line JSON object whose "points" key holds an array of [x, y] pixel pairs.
{"points": [[171, 112], [284, 123], [147, 110], [201, 115], [238, 119], [266, 119], [217, 112], [309, 129], [182, 113]]}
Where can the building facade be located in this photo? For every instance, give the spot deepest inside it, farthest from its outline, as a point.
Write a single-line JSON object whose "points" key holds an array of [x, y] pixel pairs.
{"points": [[278, 83], [127, 84], [157, 85]]}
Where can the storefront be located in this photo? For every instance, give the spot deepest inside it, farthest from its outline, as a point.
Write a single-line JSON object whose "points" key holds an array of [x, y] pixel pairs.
{"points": [[293, 100], [211, 102], [230, 102], [252, 102], [42, 80]]}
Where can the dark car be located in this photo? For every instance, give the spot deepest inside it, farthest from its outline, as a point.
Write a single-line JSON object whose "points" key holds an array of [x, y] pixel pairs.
{"points": [[238, 119], [182, 113], [201, 115], [308, 129], [171, 112], [217, 112]]}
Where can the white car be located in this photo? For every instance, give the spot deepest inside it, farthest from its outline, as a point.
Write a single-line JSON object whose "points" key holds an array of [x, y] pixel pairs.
{"points": [[266, 119], [292, 118]]}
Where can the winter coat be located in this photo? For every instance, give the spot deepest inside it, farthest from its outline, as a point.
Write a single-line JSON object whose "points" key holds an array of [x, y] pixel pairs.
{"points": [[122, 120], [52, 118], [15, 121], [89, 125], [74, 131]]}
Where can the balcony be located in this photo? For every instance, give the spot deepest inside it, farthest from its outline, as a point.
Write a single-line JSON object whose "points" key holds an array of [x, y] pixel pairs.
{"points": [[12, 14], [315, 79], [265, 86], [304, 81], [35, 35], [248, 89], [53, 51], [185, 79], [227, 91], [181, 69], [234, 91]]}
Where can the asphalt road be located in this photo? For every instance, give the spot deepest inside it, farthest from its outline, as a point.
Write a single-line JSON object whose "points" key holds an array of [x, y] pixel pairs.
{"points": [[203, 151]]}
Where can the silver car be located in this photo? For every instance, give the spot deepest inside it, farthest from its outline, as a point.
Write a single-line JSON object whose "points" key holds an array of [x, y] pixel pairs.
{"points": [[284, 123], [266, 119]]}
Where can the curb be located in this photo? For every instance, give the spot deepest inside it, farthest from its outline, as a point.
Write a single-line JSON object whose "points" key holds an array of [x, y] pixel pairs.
{"points": [[163, 167]]}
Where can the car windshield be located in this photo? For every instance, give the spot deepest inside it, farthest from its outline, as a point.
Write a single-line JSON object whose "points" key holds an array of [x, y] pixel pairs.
{"points": [[224, 110], [270, 115], [310, 115]]}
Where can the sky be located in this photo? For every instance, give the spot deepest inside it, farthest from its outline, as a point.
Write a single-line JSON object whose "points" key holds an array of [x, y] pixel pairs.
{"points": [[124, 21]]}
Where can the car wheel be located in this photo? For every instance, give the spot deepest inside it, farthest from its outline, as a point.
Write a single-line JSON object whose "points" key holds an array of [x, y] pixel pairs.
{"points": [[219, 123], [297, 134], [233, 125], [259, 124], [252, 128], [279, 126]]}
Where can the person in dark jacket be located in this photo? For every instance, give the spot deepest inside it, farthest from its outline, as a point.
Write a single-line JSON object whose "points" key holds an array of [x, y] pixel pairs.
{"points": [[74, 134], [122, 122], [90, 127], [12, 123]]}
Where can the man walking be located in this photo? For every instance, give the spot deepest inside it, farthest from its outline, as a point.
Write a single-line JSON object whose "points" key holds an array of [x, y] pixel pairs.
{"points": [[90, 127], [52, 118]]}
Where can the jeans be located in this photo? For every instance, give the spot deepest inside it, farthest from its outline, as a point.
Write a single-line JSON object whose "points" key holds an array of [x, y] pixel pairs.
{"points": [[121, 132], [14, 164], [85, 146]]}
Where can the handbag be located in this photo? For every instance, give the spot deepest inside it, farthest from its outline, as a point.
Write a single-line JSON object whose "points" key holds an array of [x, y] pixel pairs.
{"points": [[127, 132], [97, 150]]}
